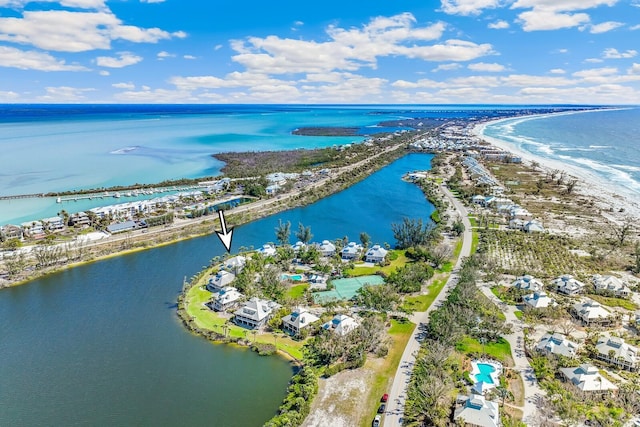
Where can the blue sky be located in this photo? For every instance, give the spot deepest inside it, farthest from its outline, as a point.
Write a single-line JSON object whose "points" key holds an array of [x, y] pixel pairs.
{"points": [[401, 51]]}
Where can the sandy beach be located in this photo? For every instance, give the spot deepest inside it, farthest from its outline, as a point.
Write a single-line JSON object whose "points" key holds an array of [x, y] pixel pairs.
{"points": [[618, 202]]}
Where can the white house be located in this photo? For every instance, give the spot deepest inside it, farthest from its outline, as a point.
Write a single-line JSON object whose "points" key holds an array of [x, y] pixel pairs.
{"points": [[235, 264], [611, 284], [299, 246], [528, 283], [539, 300], [478, 200], [587, 378], [556, 344], [9, 232], [300, 318], [226, 298], [220, 280], [376, 254], [617, 352], [267, 250], [517, 212], [341, 324], [317, 281], [32, 228], [54, 223], [533, 226], [475, 410], [255, 313], [351, 251], [326, 248], [590, 312], [568, 285]]}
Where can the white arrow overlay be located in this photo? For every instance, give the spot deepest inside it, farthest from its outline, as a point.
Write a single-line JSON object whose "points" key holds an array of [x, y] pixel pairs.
{"points": [[225, 236]]}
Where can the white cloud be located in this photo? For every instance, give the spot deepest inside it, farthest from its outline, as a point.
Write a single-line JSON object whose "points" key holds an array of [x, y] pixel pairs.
{"points": [[33, 60], [451, 50], [498, 25], [189, 57], [557, 71], [104, 73], [635, 27], [164, 54], [612, 53], [541, 20], [596, 72], [530, 80], [125, 59], [81, 4], [447, 67], [467, 7], [604, 27], [67, 31], [152, 1], [593, 60], [8, 96], [635, 69], [128, 86], [557, 14], [562, 5], [488, 67], [64, 94], [162, 96]]}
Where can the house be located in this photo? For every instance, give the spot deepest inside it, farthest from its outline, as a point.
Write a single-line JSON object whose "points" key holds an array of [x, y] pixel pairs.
{"points": [[267, 250], [539, 300], [341, 324], [226, 298], [587, 378], [8, 232], [235, 264], [568, 285], [617, 352], [351, 251], [80, 219], [326, 248], [33, 229], [528, 283], [272, 189], [376, 254], [556, 344], [317, 281], [533, 226], [478, 200], [300, 318], [220, 280], [299, 246], [517, 224], [121, 227], [611, 284], [475, 410], [55, 223], [255, 313], [590, 312], [520, 213]]}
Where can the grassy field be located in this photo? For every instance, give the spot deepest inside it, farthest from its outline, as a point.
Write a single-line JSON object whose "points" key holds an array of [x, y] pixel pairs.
{"points": [[297, 291], [500, 350], [422, 302], [360, 270], [475, 241], [211, 320], [615, 302], [400, 332]]}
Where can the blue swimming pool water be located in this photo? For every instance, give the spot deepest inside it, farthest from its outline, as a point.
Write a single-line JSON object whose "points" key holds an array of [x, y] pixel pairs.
{"points": [[485, 373], [294, 277]]}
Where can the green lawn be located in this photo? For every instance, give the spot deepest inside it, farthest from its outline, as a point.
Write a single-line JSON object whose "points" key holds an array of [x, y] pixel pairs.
{"points": [[500, 350], [422, 302], [208, 319], [473, 221], [615, 302], [474, 241], [457, 249], [297, 291], [518, 314], [400, 261]]}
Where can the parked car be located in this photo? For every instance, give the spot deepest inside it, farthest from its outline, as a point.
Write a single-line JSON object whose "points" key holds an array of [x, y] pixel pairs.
{"points": [[381, 408], [376, 421], [384, 398]]}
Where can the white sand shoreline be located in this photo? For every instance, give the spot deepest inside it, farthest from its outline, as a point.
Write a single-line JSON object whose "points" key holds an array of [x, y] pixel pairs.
{"points": [[619, 200]]}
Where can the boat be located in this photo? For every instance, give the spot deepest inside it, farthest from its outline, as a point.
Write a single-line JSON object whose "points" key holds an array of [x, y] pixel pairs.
{"points": [[58, 200], [116, 195]]}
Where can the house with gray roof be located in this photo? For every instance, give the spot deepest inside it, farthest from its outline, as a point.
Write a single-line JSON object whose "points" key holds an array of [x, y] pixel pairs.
{"points": [[267, 250], [611, 284], [341, 324], [226, 298], [556, 344], [351, 251], [528, 283], [475, 410], [587, 378], [616, 351], [376, 254], [220, 280], [568, 285], [255, 313], [539, 300], [9, 231], [326, 248], [591, 312], [300, 318]]}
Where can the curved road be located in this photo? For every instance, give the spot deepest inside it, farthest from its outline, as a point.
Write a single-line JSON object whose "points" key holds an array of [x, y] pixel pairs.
{"points": [[397, 394]]}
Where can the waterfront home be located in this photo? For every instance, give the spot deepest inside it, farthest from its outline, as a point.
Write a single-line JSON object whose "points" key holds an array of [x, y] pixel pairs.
{"points": [[351, 251], [317, 281], [300, 318], [267, 250], [299, 246], [616, 351], [55, 223], [226, 298], [8, 232], [478, 200], [517, 212], [272, 189], [587, 378], [516, 224], [568, 285], [591, 312], [539, 300], [528, 283], [533, 226], [80, 219], [341, 324], [220, 280], [376, 254], [327, 249], [235, 264], [556, 344], [121, 227], [33, 229], [255, 313], [611, 284], [475, 410]]}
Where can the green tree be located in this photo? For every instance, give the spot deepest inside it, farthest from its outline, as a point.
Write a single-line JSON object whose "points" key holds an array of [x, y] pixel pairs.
{"points": [[365, 239], [412, 232], [379, 297], [304, 233], [283, 232]]}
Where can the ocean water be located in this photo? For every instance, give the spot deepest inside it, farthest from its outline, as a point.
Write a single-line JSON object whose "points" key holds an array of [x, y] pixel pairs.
{"points": [[604, 144]]}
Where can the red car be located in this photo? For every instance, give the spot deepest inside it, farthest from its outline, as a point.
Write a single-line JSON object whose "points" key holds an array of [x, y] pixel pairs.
{"points": [[385, 397]]}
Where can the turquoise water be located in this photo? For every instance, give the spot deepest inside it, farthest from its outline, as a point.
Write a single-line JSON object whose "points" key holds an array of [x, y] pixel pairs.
{"points": [[294, 277], [485, 373], [101, 344]]}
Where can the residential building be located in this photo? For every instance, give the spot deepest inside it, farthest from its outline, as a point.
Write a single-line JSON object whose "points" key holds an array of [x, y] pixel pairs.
{"points": [[478, 200], [568, 285], [80, 219], [611, 284], [477, 411], [255, 313], [226, 298], [33, 229], [617, 352], [528, 283], [539, 300], [376, 254], [556, 344], [341, 324], [55, 223], [300, 318], [9, 232], [591, 312], [121, 227], [221, 280], [267, 250], [327, 249], [351, 251], [533, 226], [299, 246], [317, 281], [587, 378], [235, 264]]}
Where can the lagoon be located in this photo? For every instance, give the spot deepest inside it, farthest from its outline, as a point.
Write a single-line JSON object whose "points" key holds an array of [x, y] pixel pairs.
{"points": [[101, 344]]}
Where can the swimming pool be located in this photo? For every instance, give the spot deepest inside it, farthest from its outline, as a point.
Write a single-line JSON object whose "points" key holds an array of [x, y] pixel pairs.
{"points": [[485, 373], [294, 277]]}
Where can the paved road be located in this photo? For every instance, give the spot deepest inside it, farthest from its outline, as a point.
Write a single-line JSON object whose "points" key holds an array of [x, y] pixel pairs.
{"points": [[397, 394]]}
